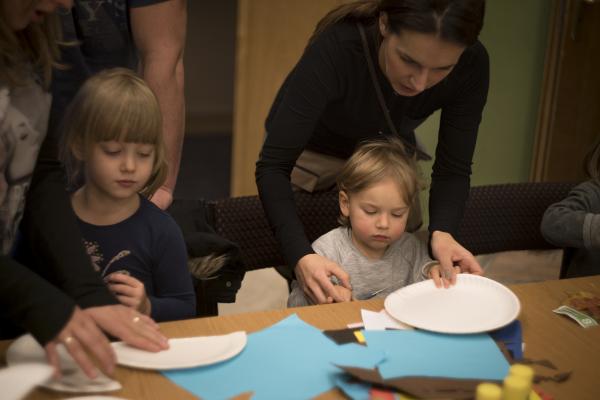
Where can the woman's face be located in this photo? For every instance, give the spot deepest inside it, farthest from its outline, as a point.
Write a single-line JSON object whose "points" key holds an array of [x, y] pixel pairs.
{"points": [[413, 61], [20, 13]]}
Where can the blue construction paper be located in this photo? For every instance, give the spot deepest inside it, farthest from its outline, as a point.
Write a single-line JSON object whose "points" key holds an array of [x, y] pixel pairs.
{"points": [[420, 353], [290, 360], [355, 390]]}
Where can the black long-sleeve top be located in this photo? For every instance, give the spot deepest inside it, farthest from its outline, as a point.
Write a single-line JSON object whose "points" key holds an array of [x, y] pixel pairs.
{"points": [[328, 104]]}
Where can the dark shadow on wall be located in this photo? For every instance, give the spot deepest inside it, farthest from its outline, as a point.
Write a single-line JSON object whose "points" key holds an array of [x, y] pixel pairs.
{"points": [[205, 167]]}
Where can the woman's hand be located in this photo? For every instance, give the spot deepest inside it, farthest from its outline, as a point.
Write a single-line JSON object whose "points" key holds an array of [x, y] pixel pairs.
{"points": [[81, 337], [314, 273], [130, 326], [129, 291], [450, 253], [435, 273]]}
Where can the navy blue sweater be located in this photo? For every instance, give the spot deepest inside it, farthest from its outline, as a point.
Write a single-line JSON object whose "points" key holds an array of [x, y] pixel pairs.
{"points": [[149, 245]]}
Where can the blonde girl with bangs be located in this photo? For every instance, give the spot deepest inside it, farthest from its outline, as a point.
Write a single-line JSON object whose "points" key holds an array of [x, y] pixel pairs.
{"points": [[376, 187], [115, 160]]}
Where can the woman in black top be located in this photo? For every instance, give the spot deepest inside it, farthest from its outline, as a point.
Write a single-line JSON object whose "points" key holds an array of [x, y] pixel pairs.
{"points": [[426, 57]]}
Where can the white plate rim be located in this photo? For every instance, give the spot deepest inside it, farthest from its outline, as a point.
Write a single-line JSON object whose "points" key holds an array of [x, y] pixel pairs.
{"points": [[510, 297], [239, 340], [27, 340]]}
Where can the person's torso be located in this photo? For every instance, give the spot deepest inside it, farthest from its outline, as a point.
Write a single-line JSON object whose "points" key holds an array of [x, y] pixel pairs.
{"points": [[129, 245], [98, 36], [23, 124], [355, 114]]}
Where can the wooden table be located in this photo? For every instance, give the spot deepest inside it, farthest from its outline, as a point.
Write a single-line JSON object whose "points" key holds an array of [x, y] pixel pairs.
{"points": [[546, 335]]}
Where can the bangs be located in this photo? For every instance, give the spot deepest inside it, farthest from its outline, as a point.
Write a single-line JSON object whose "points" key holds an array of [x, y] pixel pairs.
{"points": [[116, 105], [378, 160], [125, 116]]}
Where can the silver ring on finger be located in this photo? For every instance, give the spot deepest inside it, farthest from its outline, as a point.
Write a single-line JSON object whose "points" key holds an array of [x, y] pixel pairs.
{"points": [[68, 340]]}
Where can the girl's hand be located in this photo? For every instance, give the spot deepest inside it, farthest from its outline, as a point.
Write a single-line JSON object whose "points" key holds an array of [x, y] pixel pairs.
{"points": [[450, 253], [435, 273], [129, 291]]}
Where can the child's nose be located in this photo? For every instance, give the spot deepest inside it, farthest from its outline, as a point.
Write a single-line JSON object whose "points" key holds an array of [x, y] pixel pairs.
{"points": [[128, 163], [382, 221]]}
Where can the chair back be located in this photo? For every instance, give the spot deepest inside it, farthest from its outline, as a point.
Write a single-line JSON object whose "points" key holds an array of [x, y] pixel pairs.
{"points": [[508, 216], [242, 220]]}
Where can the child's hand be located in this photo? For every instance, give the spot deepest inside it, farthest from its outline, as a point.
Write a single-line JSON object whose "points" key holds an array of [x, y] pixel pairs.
{"points": [[129, 291], [343, 293], [435, 273]]}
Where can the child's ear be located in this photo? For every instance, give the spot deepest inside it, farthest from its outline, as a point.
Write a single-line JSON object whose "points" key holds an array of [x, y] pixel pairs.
{"points": [[344, 203], [383, 23]]}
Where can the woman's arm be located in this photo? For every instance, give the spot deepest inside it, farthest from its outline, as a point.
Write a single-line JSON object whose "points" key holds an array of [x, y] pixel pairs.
{"points": [[302, 99], [159, 34], [461, 115], [53, 236], [575, 221], [450, 179], [51, 317], [31, 302]]}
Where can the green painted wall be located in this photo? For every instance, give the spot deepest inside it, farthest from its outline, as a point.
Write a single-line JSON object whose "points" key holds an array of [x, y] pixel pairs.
{"points": [[515, 34]]}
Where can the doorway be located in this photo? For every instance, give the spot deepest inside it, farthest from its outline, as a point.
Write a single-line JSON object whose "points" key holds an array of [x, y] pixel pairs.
{"points": [[569, 117]]}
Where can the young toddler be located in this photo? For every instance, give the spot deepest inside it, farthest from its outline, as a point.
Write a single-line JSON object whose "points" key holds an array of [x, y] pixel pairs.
{"points": [[376, 187]]}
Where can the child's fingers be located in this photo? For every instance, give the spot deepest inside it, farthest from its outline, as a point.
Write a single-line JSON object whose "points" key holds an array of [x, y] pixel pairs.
{"points": [[124, 279], [435, 275], [123, 290], [127, 301]]}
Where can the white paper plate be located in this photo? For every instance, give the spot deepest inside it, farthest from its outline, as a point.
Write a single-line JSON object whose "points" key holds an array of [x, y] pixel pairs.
{"points": [[18, 380], [183, 353], [27, 350], [475, 304]]}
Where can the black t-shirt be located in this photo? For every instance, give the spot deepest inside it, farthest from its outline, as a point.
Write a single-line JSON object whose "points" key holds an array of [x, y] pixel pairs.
{"points": [[328, 104]]}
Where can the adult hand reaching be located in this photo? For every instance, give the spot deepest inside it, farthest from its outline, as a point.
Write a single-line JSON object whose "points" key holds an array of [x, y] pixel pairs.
{"points": [[314, 272], [130, 326], [81, 336], [450, 253]]}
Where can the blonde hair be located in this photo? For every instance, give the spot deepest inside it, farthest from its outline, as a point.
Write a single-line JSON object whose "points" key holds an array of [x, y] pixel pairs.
{"points": [[33, 49], [115, 104], [374, 161]]}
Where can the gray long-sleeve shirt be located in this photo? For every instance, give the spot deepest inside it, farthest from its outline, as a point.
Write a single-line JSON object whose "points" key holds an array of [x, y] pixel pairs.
{"points": [[575, 222], [404, 262]]}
